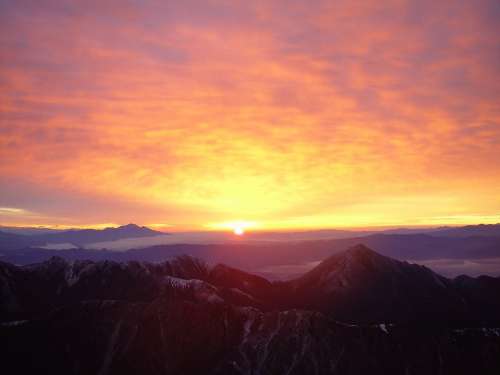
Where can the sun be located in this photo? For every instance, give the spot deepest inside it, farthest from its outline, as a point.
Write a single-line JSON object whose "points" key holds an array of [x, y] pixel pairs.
{"points": [[238, 227], [239, 231]]}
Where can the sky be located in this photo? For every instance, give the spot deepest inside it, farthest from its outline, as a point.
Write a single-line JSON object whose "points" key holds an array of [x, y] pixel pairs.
{"points": [[270, 114]]}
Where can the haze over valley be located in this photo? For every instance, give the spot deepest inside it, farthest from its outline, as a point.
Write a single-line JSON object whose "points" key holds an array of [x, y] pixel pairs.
{"points": [[471, 250]]}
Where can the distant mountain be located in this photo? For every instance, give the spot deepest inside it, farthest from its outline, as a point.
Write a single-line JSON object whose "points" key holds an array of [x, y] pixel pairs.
{"points": [[481, 230], [86, 236], [409, 230], [484, 230], [11, 241], [267, 255], [28, 231], [185, 317], [451, 256], [306, 235], [77, 237]]}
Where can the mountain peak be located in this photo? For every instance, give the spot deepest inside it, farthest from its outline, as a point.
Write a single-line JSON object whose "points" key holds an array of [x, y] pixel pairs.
{"points": [[362, 255], [129, 226], [355, 257], [361, 284], [361, 250]]}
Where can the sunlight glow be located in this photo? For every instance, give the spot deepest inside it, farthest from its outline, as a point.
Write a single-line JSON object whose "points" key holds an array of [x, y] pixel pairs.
{"points": [[291, 132], [239, 231], [238, 227]]}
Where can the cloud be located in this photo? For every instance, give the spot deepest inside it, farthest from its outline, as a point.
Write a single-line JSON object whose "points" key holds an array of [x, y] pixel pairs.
{"points": [[262, 111], [456, 267], [12, 211]]}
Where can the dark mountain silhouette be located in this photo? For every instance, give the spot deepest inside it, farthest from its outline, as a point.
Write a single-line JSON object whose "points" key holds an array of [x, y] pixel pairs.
{"points": [[362, 286], [85, 236], [28, 231], [185, 317], [77, 237], [481, 230], [271, 259], [253, 257], [11, 241]]}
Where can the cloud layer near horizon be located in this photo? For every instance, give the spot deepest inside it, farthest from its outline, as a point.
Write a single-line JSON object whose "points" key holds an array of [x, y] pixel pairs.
{"points": [[288, 113]]}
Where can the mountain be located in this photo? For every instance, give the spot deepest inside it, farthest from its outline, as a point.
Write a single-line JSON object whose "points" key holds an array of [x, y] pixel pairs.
{"points": [[361, 285], [85, 236], [183, 332], [410, 230], [58, 283], [448, 255], [290, 259], [28, 231], [481, 230], [183, 316], [11, 241], [77, 237]]}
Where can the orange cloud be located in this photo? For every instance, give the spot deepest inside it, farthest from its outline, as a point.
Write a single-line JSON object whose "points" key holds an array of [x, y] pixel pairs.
{"points": [[288, 115]]}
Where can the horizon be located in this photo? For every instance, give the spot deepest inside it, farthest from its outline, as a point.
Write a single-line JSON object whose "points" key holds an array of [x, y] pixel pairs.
{"points": [[249, 230], [197, 115]]}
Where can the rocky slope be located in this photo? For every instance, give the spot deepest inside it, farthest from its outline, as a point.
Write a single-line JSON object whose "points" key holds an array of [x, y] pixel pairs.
{"points": [[362, 286], [183, 317]]}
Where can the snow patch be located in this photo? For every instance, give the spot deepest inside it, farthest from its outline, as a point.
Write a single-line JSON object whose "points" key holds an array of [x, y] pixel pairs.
{"points": [[203, 291], [489, 332], [177, 282], [14, 323], [383, 327]]}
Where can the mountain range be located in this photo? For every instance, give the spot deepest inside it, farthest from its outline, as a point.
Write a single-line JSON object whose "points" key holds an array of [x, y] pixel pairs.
{"points": [[356, 312], [472, 250], [270, 259], [74, 237], [13, 238]]}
